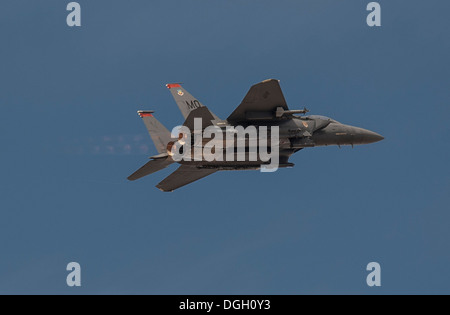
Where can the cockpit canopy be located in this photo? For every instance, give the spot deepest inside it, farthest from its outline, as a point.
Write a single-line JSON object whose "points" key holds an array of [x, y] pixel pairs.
{"points": [[320, 117], [321, 121]]}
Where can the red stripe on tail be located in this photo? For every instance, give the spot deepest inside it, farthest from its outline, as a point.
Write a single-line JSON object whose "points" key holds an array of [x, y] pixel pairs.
{"points": [[173, 85]]}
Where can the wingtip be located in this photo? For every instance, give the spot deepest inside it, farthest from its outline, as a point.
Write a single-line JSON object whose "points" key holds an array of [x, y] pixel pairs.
{"points": [[164, 190], [270, 80]]}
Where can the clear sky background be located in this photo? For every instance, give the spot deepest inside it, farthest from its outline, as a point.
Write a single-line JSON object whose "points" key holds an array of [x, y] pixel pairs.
{"points": [[69, 137]]}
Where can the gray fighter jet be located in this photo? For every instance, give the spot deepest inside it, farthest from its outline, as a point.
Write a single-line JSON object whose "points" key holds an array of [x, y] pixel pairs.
{"points": [[264, 105]]}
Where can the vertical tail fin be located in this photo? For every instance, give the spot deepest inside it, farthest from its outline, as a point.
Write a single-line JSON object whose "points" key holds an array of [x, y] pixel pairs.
{"points": [[185, 101], [160, 135], [206, 116]]}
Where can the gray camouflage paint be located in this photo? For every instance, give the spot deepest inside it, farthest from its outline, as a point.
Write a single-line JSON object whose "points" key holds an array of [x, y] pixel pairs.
{"points": [[264, 105]]}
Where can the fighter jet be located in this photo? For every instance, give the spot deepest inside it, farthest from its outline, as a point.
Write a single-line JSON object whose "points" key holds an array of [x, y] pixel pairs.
{"points": [[264, 105]]}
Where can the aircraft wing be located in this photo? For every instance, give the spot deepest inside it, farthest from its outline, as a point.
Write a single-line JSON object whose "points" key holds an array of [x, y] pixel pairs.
{"points": [[182, 176], [260, 103]]}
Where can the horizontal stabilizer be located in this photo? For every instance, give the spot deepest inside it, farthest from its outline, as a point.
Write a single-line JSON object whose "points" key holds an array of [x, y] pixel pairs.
{"points": [[182, 176], [151, 167]]}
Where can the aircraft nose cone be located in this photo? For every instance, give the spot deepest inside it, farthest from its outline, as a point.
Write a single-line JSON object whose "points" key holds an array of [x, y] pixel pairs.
{"points": [[371, 137]]}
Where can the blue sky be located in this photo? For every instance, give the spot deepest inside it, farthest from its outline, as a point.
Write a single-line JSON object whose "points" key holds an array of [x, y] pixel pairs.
{"points": [[69, 137]]}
